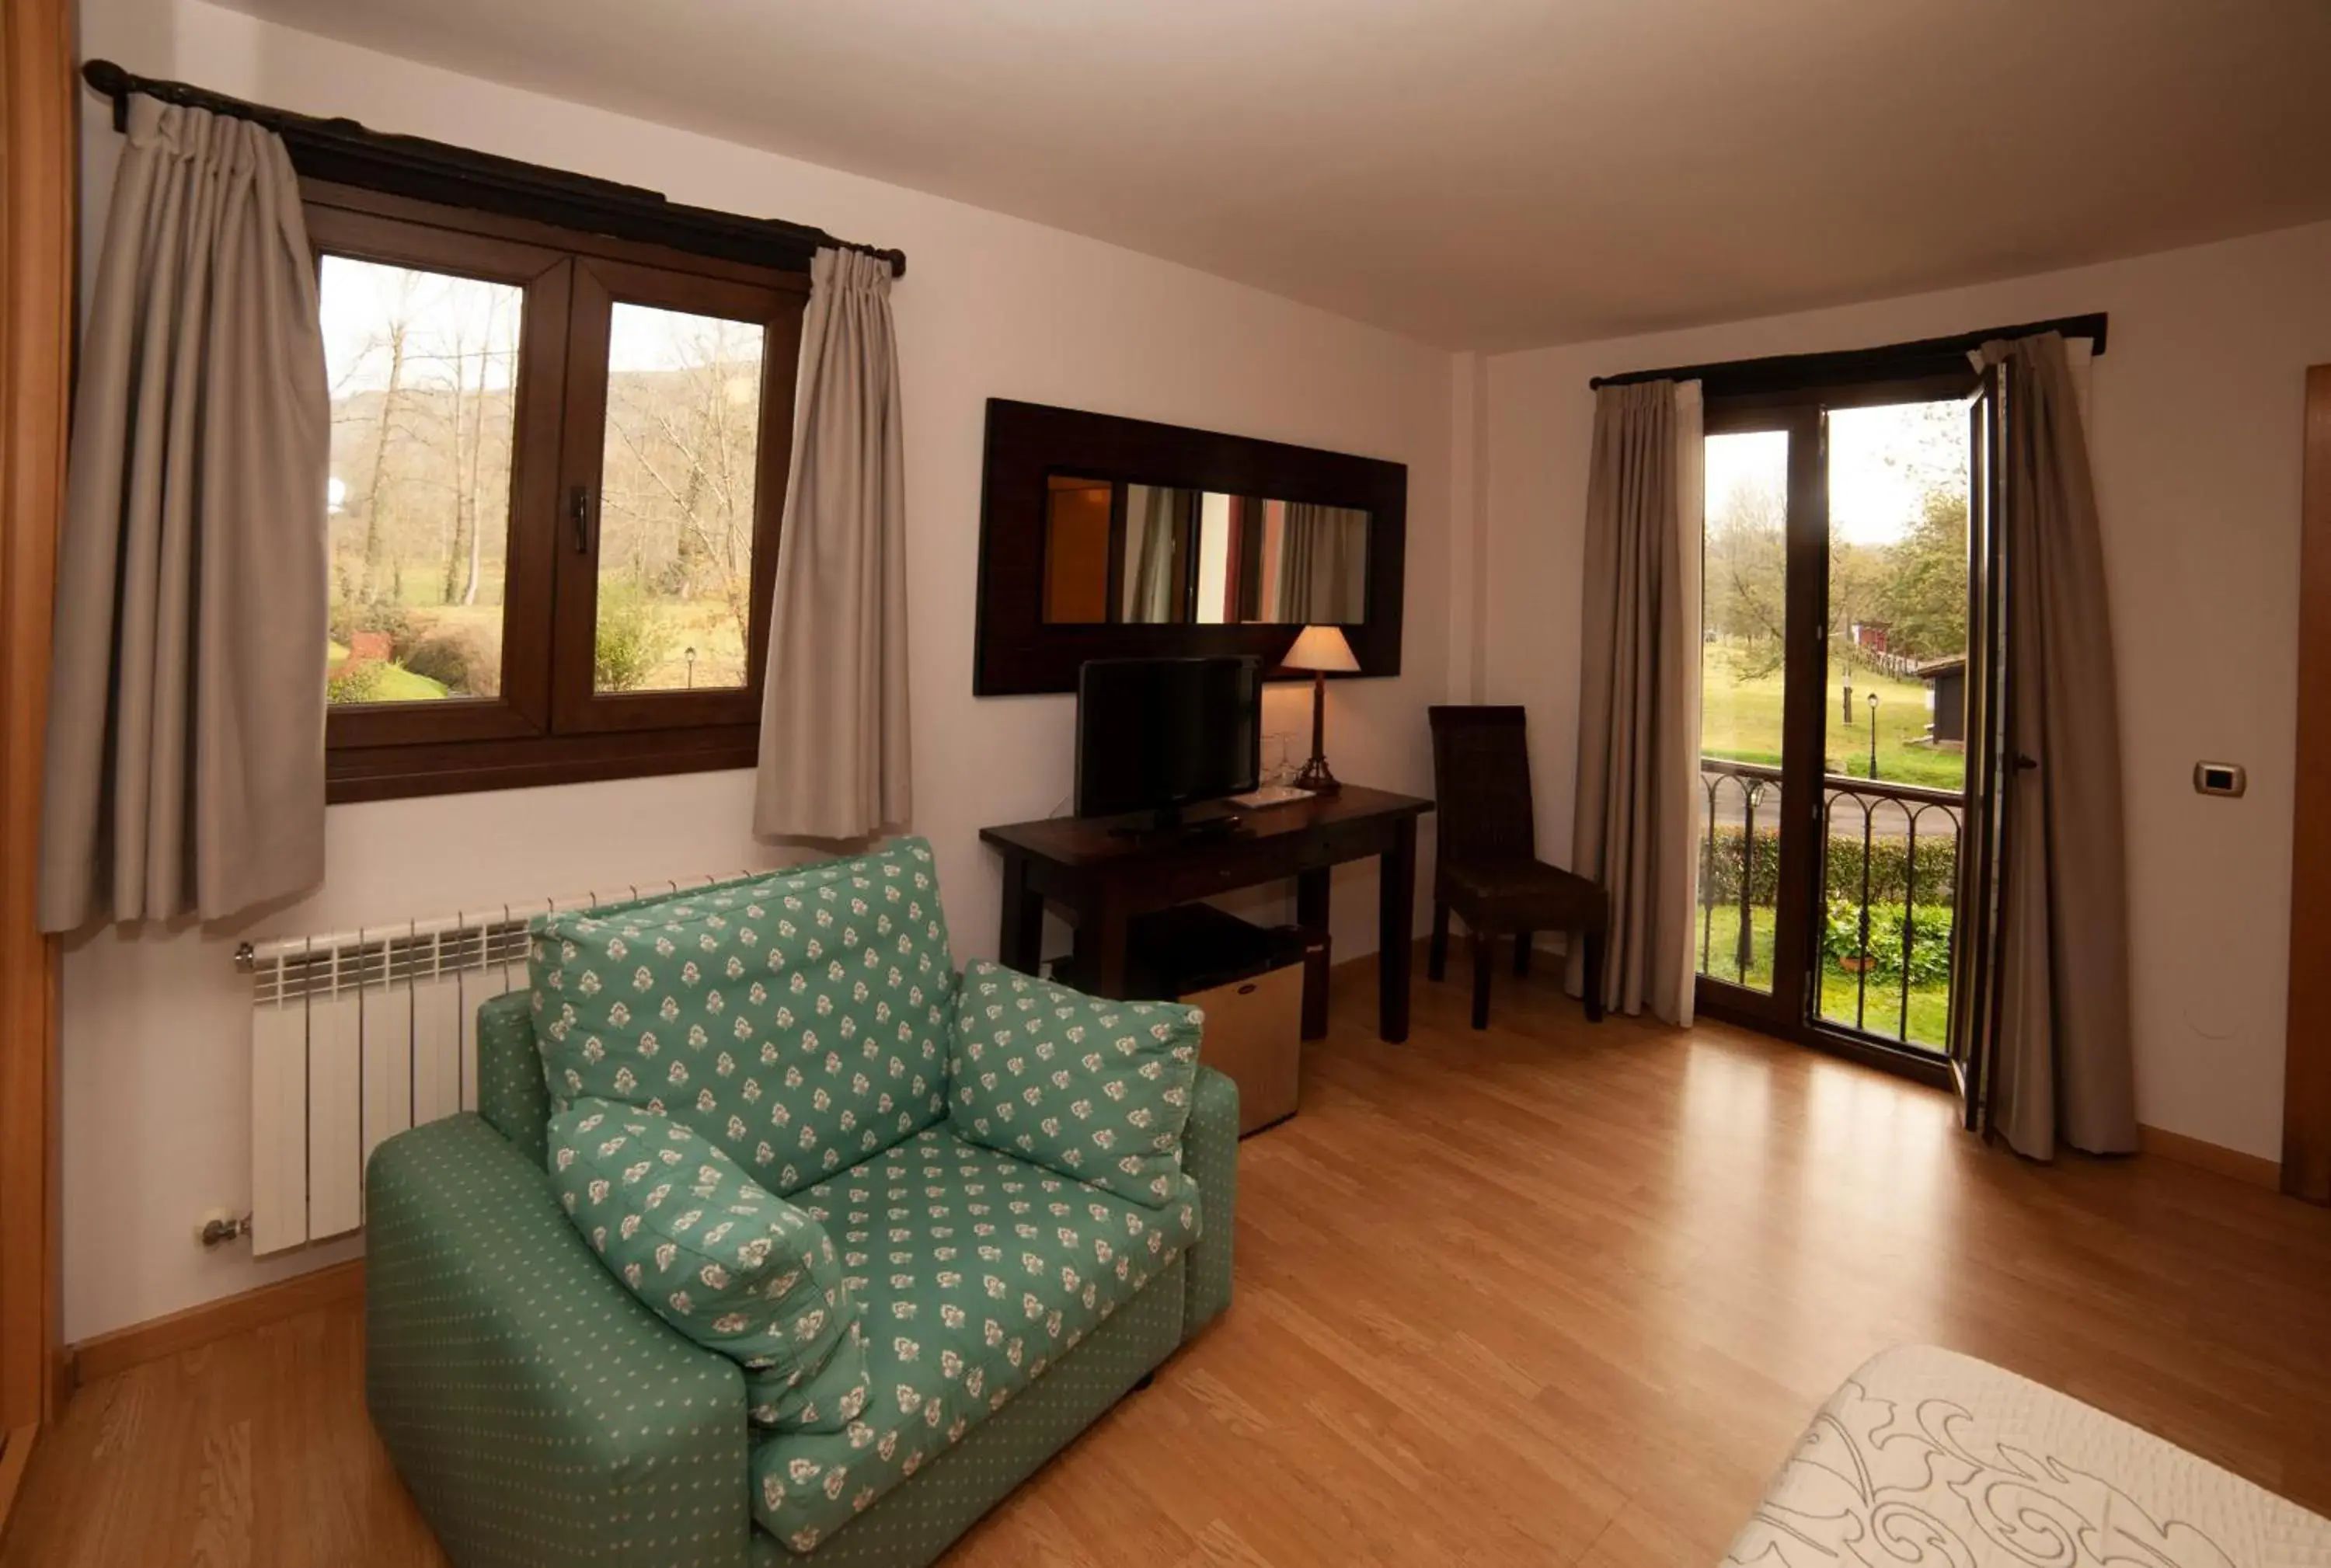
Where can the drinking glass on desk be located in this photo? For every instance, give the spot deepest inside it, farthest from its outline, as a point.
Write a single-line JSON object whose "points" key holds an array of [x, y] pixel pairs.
{"points": [[1278, 762]]}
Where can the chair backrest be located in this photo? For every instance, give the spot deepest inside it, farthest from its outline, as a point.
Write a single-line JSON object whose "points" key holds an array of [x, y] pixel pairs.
{"points": [[1480, 771]]}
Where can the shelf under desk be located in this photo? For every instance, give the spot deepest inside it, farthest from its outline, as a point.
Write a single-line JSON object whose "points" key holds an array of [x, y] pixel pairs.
{"points": [[1101, 878]]}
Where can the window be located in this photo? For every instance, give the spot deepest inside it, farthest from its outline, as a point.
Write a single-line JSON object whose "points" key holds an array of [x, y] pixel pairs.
{"points": [[558, 467]]}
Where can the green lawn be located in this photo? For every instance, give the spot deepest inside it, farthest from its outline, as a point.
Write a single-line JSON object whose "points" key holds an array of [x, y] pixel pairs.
{"points": [[1740, 721], [1930, 1006], [397, 684]]}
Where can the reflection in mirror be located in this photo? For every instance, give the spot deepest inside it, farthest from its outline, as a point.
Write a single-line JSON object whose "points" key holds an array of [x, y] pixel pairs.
{"points": [[1077, 550], [1160, 524], [1314, 564], [1159, 555]]}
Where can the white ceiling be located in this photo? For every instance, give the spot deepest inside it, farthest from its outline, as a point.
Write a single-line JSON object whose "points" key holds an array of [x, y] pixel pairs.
{"points": [[1487, 173]]}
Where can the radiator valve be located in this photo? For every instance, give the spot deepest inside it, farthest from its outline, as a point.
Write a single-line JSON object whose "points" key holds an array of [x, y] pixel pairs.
{"points": [[220, 1226]]}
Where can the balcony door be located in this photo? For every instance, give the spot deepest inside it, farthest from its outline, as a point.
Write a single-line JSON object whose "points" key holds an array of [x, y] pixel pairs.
{"points": [[1835, 599]]}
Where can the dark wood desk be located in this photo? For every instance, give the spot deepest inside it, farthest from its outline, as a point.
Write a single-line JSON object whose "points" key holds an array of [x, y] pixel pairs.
{"points": [[1103, 880]]}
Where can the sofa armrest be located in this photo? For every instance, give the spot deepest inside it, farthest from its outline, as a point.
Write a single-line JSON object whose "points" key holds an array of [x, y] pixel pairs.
{"points": [[538, 1412], [511, 1095], [1210, 1156]]}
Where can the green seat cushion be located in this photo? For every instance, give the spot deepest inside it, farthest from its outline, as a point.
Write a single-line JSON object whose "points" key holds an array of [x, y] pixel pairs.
{"points": [[732, 1267], [976, 1270], [1095, 1089], [796, 1020]]}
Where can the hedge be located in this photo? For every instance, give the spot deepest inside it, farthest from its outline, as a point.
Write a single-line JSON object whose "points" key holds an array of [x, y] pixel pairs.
{"points": [[1938, 859]]}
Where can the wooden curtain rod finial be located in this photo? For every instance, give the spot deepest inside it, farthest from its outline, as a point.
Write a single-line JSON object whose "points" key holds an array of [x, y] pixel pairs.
{"points": [[115, 84]]}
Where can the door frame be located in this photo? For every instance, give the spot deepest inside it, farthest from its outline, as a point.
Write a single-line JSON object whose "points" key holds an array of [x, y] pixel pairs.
{"points": [[39, 146], [2307, 1040], [1789, 1012]]}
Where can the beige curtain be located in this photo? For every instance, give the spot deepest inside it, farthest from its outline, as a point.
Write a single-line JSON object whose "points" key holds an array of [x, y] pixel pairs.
{"points": [[1321, 553], [2064, 1067], [1634, 830], [833, 710], [184, 767], [1155, 561]]}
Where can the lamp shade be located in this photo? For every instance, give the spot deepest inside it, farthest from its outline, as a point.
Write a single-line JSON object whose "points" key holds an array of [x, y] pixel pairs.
{"points": [[1321, 648]]}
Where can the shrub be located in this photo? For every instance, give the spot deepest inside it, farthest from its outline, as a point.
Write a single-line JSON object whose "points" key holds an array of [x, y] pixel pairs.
{"points": [[357, 681], [401, 627], [1930, 941], [464, 660], [1721, 861], [1890, 867], [630, 642]]}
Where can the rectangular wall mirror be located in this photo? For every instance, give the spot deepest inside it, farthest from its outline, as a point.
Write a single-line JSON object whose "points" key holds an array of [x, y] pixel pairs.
{"points": [[1106, 538], [1161, 555]]}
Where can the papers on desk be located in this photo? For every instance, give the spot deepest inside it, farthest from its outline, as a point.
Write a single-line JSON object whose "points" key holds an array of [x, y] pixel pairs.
{"points": [[1270, 795]]}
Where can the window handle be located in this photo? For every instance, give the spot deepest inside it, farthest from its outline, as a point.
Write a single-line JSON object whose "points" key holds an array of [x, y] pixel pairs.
{"points": [[583, 515]]}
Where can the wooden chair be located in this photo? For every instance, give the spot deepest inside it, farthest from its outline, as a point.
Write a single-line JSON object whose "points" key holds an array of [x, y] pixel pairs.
{"points": [[1488, 867]]}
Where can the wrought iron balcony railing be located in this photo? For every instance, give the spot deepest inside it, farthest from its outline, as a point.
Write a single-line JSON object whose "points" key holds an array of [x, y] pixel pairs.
{"points": [[1872, 865]]}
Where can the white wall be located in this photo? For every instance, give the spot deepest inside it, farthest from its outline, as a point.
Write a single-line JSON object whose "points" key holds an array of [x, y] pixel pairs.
{"points": [[2195, 427], [155, 1040]]}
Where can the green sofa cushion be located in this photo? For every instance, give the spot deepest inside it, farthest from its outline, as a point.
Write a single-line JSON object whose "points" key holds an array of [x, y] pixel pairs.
{"points": [[976, 1270], [1092, 1088], [719, 1257], [795, 1019]]}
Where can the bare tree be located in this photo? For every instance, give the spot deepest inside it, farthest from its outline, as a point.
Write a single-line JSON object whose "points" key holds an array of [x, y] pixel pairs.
{"points": [[395, 336], [678, 492], [470, 488], [1746, 576], [464, 542]]}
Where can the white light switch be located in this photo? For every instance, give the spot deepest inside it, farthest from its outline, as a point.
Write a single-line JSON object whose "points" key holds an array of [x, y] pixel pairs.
{"points": [[2219, 778]]}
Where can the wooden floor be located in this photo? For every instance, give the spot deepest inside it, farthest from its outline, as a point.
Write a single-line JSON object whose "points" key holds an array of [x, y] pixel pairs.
{"points": [[1548, 1295]]}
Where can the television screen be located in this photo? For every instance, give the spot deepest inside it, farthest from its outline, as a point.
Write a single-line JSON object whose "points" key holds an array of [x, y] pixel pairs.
{"points": [[1155, 735]]}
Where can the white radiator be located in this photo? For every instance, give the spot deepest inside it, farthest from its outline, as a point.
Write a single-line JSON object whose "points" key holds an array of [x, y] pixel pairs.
{"points": [[358, 1035]]}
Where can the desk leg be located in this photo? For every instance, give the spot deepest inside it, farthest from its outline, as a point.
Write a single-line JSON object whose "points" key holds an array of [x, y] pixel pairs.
{"points": [[1101, 933], [1020, 938], [1311, 915], [1395, 921]]}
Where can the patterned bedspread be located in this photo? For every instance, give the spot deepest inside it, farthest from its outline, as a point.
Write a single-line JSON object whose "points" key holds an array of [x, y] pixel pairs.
{"points": [[1929, 1459]]}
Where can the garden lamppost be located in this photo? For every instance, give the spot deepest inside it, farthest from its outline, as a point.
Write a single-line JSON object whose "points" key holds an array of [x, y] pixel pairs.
{"points": [[1873, 735]]}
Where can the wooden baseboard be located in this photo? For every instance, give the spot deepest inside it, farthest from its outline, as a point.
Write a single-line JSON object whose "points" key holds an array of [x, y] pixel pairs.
{"points": [[2216, 1158], [107, 1354]]}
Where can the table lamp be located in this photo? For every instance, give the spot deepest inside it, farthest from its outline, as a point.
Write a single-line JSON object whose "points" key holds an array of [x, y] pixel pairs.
{"points": [[1319, 650]]}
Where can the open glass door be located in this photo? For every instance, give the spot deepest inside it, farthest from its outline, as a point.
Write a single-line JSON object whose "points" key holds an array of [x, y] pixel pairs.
{"points": [[1974, 960]]}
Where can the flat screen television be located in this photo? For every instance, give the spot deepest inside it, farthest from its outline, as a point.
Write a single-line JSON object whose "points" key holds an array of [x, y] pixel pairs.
{"points": [[1157, 735]]}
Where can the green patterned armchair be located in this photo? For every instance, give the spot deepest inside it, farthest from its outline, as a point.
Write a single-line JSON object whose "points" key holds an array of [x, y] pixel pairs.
{"points": [[542, 1416]]}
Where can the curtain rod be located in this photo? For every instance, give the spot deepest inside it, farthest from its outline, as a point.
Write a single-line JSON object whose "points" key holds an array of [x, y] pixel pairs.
{"points": [[1785, 371], [347, 153]]}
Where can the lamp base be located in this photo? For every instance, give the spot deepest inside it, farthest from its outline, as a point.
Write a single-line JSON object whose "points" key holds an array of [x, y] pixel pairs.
{"points": [[1316, 778]]}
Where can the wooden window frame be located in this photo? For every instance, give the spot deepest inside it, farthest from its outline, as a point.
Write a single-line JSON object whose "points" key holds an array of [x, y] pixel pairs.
{"points": [[548, 726]]}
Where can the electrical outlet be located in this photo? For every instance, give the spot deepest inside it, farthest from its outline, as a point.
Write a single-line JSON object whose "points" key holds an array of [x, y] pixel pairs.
{"points": [[221, 1225]]}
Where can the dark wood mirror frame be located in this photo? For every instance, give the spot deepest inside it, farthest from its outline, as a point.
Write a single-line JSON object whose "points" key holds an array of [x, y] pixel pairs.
{"points": [[1018, 652]]}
